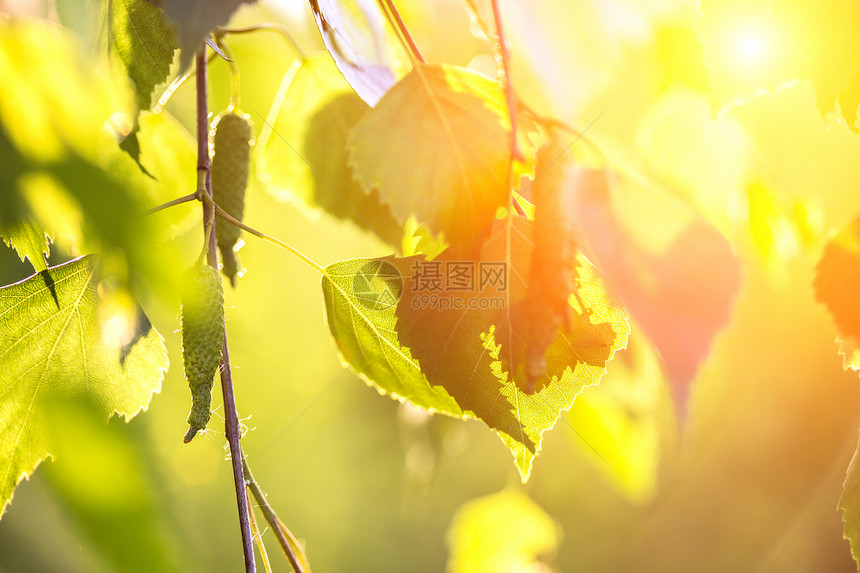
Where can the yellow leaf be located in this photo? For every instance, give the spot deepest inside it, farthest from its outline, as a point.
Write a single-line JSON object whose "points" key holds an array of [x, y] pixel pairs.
{"points": [[436, 146]]}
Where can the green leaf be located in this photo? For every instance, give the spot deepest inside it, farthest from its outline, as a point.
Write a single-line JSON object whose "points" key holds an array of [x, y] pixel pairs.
{"points": [[470, 344], [59, 337], [62, 169], [30, 241], [361, 298], [707, 161], [44, 123], [503, 532], [302, 149], [195, 20], [145, 41], [849, 503], [436, 146]]}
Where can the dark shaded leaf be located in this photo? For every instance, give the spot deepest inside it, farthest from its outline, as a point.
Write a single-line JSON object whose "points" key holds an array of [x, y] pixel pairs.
{"points": [[145, 41], [303, 150], [195, 20], [30, 241]]}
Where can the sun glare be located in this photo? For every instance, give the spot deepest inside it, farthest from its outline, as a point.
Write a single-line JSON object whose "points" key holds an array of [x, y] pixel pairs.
{"points": [[747, 50], [751, 45]]}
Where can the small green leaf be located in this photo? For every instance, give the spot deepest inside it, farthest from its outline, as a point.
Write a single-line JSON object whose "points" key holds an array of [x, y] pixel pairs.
{"points": [[302, 149], [500, 533], [54, 341], [30, 241], [436, 146], [145, 41]]}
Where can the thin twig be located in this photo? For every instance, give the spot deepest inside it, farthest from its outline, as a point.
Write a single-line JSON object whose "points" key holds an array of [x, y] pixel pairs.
{"points": [[218, 49], [394, 18], [519, 208], [479, 18], [554, 123], [234, 74], [174, 85], [283, 30], [510, 95], [209, 221], [289, 544], [227, 217], [258, 537], [232, 431], [179, 201]]}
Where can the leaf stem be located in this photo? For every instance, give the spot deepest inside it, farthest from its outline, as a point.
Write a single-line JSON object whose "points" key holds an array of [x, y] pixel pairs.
{"points": [[510, 95], [258, 537], [289, 544], [393, 16], [231, 417], [226, 216], [479, 19], [179, 201], [283, 30], [519, 208], [218, 49], [234, 74], [174, 85]]}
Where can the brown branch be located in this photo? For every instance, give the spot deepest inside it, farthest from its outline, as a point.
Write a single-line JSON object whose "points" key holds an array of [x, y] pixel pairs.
{"points": [[231, 424], [391, 13], [510, 95]]}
